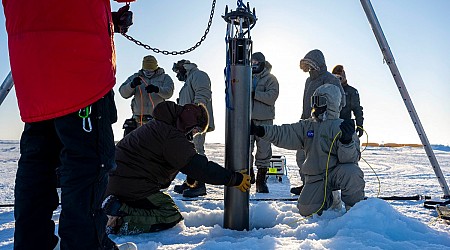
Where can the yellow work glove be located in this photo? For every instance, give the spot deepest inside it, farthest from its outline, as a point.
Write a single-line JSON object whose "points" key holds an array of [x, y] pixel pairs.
{"points": [[244, 186]]}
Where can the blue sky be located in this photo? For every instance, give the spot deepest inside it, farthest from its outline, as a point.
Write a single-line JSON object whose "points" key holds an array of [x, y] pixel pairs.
{"points": [[417, 32]]}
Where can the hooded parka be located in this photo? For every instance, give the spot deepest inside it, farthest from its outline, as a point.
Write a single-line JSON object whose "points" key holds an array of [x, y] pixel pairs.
{"points": [[316, 137], [316, 79], [149, 158], [144, 166], [62, 55], [143, 103], [266, 90], [352, 104], [197, 89]]}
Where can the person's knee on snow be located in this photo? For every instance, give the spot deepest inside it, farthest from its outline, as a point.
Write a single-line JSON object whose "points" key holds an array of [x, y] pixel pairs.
{"points": [[163, 147], [311, 199], [351, 183], [155, 213]]}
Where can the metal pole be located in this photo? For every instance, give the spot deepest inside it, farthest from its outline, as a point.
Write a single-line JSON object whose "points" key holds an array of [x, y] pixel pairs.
{"points": [[238, 113], [389, 58], [6, 86]]}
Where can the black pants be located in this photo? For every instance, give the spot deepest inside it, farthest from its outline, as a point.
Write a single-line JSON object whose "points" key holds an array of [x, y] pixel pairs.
{"points": [[84, 159]]}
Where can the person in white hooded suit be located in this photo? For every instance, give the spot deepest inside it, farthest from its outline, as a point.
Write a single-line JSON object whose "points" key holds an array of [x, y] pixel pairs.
{"points": [[324, 171]]}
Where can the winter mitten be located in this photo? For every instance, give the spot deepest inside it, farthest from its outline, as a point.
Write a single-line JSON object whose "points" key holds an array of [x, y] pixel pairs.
{"points": [[152, 88], [122, 19], [348, 129], [257, 130], [360, 131], [136, 82]]}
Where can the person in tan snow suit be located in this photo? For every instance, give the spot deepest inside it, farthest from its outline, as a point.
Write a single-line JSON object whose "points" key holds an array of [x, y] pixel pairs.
{"points": [[324, 171]]}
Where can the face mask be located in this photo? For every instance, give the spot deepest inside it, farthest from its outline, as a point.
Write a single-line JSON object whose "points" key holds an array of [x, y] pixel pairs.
{"points": [[258, 67], [181, 76], [181, 72], [317, 111], [148, 73]]}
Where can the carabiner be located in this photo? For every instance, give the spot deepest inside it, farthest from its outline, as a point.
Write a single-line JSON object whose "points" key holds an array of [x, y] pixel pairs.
{"points": [[84, 114]]}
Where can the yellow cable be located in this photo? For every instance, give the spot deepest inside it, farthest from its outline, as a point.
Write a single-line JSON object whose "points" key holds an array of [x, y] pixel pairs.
{"points": [[373, 170], [367, 138], [379, 182], [326, 175], [326, 183]]}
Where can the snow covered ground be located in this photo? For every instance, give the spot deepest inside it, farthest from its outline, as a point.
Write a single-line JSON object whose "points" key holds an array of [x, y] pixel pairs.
{"points": [[370, 224]]}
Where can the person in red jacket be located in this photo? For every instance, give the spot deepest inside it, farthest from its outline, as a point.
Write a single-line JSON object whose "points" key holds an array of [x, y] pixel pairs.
{"points": [[63, 64]]}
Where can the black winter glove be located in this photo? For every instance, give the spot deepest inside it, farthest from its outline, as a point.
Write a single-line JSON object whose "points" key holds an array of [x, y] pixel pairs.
{"points": [[152, 88], [122, 19], [136, 82], [257, 130], [359, 131], [348, 129]]}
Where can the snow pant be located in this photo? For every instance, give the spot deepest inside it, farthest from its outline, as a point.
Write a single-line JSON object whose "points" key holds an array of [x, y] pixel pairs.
{"points": [[154, 213], [263, 148], [84, 159], [347, 177]]}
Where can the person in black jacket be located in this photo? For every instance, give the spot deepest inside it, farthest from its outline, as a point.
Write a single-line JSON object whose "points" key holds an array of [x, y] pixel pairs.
{"points": [[352, 100], [148, 160]]}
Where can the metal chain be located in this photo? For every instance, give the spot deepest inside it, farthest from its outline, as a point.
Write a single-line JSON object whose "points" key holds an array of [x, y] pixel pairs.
{"points": [[182, 52]]}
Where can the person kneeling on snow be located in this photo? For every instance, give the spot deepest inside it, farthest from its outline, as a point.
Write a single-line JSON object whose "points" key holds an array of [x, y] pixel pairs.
{"points": [[148, 160], [324, 171]]}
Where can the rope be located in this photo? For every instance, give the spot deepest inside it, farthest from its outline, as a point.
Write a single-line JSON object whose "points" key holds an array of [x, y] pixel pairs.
{"points": [[142, 106], [142, 100], [149, 96]]}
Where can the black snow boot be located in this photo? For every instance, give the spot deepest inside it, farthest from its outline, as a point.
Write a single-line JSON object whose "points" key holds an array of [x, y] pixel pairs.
{"points": [[261, 185], [198, 190], [252, 175], [111, 206], [297, 190], [180, 188]]}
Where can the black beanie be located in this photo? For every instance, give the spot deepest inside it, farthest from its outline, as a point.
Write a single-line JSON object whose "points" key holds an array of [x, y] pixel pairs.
{"points": [[258, 56]]}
